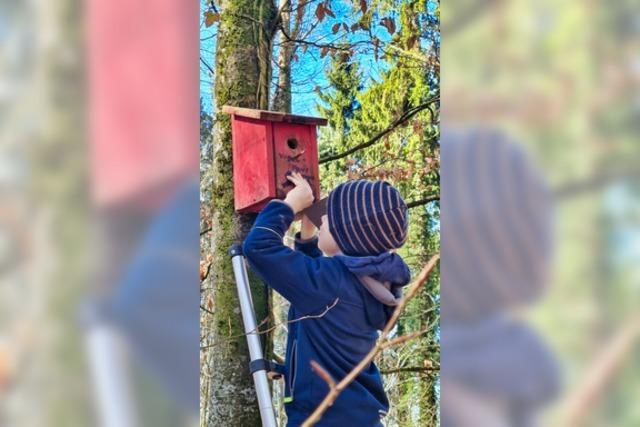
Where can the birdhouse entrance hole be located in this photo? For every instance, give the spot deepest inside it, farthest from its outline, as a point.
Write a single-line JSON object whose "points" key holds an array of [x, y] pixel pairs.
{"points": [[292, 143]]}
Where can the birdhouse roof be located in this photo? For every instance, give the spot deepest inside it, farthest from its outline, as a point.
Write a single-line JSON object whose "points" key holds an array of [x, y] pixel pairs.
{"points": [[274, 116]]}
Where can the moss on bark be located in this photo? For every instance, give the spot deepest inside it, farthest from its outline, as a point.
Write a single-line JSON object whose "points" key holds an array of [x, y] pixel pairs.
{"points": [[243, 49]]}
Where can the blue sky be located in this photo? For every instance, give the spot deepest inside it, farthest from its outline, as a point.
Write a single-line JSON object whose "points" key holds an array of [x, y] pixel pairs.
{"points": [[306, 73]]}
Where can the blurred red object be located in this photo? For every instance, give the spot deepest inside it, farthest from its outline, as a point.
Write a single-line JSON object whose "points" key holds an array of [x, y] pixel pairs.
{"points": [[143, 99]]}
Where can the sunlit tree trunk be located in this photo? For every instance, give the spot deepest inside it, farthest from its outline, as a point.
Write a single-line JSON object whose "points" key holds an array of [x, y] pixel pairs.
{"points": [[242, 79]]}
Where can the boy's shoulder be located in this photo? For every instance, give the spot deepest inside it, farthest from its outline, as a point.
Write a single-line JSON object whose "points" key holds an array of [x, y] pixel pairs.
{"points": [[332, 263]]}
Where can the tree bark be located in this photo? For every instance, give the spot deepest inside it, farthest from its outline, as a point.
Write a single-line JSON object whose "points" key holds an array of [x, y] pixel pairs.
{"points": [[242, 79], [282, 97]]}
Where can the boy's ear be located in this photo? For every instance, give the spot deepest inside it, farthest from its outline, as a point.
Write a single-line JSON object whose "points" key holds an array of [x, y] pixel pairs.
{"points": [[316, 210]]}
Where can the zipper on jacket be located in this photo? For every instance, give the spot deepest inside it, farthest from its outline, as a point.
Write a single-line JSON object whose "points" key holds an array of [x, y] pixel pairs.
{"points": [[293, 366]]}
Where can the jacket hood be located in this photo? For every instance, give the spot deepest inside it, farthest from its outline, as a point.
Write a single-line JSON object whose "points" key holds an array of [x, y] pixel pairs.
{"points": [[383, 276]]}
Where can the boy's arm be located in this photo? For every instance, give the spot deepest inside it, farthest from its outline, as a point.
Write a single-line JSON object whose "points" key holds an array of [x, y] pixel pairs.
{"points": [[307, 246], [306, 240], [308, 283]]}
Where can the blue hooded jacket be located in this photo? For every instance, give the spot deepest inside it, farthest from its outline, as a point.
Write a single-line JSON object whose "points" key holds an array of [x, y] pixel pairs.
{"points": [[344, 317]]}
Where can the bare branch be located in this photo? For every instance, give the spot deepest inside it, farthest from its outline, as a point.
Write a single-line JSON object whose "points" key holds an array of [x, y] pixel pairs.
{"points": [[403, 338], [315, 366], [293, 39], [208, 66], [601, 372], [402, 119], [203, 308], [433, 369], [336, 389], [258, 331], [424, 201]]}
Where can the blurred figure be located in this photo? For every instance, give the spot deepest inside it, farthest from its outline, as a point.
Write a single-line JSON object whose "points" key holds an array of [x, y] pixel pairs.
{"points": [[143, 136], [496, 247]]}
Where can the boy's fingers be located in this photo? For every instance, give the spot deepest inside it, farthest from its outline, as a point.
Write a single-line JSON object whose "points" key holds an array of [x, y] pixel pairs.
{"points": [[295, 176]]}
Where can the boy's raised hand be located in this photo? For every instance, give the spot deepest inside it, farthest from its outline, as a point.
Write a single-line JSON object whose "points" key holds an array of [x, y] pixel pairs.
{"points": [[301, 196]]}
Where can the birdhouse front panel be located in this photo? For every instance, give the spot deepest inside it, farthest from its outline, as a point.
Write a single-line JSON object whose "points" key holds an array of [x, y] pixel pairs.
{"points": [[267, 146], [295, 150], [253, 166]]}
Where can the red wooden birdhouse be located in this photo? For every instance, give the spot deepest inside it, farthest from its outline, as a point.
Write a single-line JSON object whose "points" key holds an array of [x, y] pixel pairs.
{"points": [[268, 145]]}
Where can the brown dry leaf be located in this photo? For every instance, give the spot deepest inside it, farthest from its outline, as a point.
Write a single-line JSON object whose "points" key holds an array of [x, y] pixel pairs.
{"points": [[211, 18], [335, 28], [204, 269], [389, 24], [363, 6], [300, 10], [320, 12]]}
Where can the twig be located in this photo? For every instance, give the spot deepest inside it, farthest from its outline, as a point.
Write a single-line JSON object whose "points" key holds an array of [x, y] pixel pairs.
{"points": [[319, 45], [202, 307], [601, 373], [213, 6], [403, 338], [383, 342], [315, 366], [208, 66], [258, 331], [424, 201], [411, 369]]}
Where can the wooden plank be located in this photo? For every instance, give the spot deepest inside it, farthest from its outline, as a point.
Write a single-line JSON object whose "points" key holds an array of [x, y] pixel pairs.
{"points": [[273, 116], [253, 169]]}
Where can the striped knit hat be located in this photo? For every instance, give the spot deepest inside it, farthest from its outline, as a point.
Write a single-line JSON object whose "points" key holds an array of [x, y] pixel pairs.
{"points": [[497, 225], [367, 217]]}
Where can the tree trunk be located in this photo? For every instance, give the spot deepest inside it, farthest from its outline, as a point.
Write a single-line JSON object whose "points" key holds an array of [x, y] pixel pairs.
{"points": [[282, 98], [242, 79]]}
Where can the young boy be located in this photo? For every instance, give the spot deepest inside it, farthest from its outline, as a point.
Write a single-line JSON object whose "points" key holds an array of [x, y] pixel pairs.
{"points": [[344, 297]]}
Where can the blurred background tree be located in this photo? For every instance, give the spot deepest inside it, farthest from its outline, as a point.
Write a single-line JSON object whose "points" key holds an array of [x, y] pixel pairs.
{"points": [[561, 79]]}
